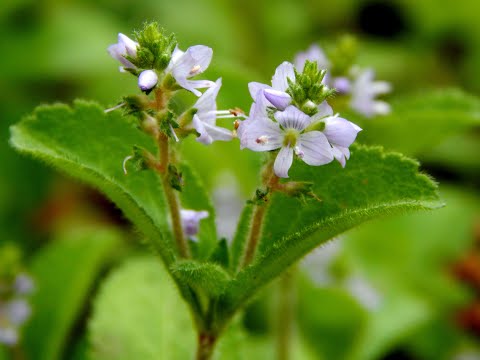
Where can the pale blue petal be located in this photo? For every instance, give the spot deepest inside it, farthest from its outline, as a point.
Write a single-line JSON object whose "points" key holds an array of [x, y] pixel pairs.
{"points": [[315, 148], [191, 221], [192, 85], [283, 71], [277, 98], [193, 62], [340, 131], [292, 118], [255, 87], [206, 104], [283, 162], [259, 134]]}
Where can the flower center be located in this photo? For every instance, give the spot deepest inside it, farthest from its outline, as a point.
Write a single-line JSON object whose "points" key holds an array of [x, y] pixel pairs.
{"points": [[262, 140], [195, 70], [290, 137]]}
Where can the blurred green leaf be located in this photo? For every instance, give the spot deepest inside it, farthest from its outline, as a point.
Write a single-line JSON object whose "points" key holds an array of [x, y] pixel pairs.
{"points": [[138, 315], [90, 145], [383, 183], [420, 121], [64, 273], [329, 320]]}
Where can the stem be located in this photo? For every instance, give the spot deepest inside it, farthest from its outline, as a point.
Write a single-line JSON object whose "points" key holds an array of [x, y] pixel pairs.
{"points": [[205, 346], [270, 181], [172, 198], [285, 314]]}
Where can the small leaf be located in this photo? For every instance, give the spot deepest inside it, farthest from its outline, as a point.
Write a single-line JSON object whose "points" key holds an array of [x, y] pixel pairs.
{"points": [[372, 185], [220, 254], [64, 273], [208, 277], [240, 238]]}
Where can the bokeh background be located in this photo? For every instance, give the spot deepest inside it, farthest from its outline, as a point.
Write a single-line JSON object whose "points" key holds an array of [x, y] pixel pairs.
{"points": [[401, 288]]}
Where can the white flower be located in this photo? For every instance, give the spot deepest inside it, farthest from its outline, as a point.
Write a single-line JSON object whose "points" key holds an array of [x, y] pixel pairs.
{"points": [[124, 47], [191, 221], [275, 94], [194, 61], [206, 117], [364, 90], [147, 80], [23, 284], [288, 135]]}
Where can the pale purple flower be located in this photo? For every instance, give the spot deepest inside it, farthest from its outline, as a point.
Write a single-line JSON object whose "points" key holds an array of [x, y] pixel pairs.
{"points": [[206, 117], [8, 336], [288, 135], [17, 311], [192, 62], [365, 90], [340, 133], [124, 47], [276, 94], [147, 80], [313, 53], [191, 221], [342, 85], [23, 284]]}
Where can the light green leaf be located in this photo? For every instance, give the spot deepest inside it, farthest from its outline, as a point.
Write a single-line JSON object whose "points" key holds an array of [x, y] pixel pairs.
{"points": [[64, 272], [240, 238], [421, 121], [90, 145], [209, 277], [138, 315], [373, 184]]}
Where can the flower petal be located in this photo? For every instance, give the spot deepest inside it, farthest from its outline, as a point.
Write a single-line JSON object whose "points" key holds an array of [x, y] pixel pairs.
{"points": [[340, 131], [315, 148], [255, 87], [279, 99], [193, 62], [292, 118], [192, 85], [206, 104], [283, 162], [324, 110], [147, 80], [259, 134], [191, 221], [313, 53], [129, 45], [279, 79], [339, 156]]}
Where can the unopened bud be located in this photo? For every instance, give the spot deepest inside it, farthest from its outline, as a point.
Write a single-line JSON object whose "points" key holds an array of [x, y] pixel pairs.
{"points": [[147, 80]]}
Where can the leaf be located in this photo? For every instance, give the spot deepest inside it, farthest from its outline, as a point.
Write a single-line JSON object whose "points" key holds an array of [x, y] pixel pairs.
{"points": [[194, 196], [220, 254], [137, 315], [64, 272], [90, 145], [373, 184], [209, 277], [240, 237], [419, 122]]}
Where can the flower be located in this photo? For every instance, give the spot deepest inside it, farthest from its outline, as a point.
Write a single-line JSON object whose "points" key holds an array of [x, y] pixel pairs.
{"points": [[191, 221], [124, 47], [364, 90], [275, 94], [23, 284], [194, 61], [8, 336], [287, 134], [205, 118], [147, 80]]}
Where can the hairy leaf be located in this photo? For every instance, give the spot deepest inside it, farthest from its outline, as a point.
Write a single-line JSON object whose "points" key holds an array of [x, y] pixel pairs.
{"points": [[90, 145], [373, 184]]}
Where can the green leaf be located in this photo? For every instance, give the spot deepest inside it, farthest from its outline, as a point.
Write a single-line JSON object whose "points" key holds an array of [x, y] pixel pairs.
{"points": [[419, 122], [138, 315], [209, 277], [220, 254], [373, 184], [90, 145], [240, 238], [195, 197], [64, 272]]}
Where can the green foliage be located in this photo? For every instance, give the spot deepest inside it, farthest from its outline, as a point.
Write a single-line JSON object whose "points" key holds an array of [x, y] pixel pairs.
{"points": [[220, 254], [65, 272], [383, 183], [240, 238], [419, 122], [90, 145], [138, 315], [208, 277]]}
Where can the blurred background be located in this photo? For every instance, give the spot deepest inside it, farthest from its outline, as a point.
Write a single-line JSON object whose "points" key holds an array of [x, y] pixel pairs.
{"points": [[401, 288]]}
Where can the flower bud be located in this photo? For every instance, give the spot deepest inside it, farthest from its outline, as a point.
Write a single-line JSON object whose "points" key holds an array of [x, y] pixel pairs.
{"points": [[279, 99], [147, 80]]}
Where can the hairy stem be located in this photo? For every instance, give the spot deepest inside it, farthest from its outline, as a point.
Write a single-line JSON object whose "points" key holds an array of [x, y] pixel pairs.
{"points": [[205, 346], [270, 180], [172, 197]]}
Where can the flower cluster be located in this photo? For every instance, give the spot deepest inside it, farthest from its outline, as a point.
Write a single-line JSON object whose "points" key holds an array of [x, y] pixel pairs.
{"points": [[159, 64], [358, 84], [14, 308], [293, 115]]}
